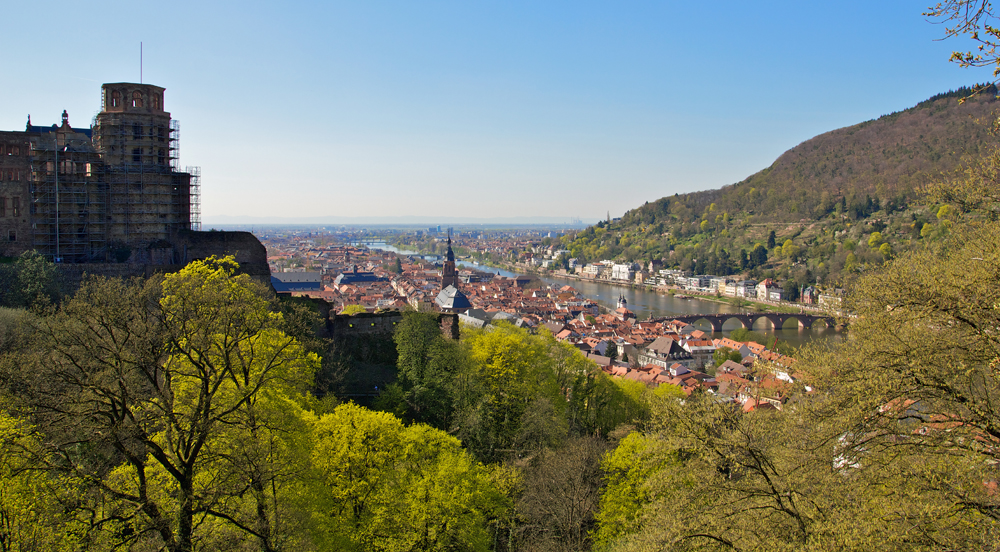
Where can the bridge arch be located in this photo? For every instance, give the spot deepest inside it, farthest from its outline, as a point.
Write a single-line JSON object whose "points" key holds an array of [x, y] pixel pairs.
{"points": [[714, 320], [776, 320], [747, 320]]}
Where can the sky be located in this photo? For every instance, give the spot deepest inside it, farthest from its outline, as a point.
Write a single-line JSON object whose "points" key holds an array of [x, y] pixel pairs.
{"points": [[481, 110]]}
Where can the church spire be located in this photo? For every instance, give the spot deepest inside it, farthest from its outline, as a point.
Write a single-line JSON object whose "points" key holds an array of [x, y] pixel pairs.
{"points": [[449, 275]]}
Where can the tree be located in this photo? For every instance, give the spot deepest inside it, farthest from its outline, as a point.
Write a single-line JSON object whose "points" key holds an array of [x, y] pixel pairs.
{"points": [[744, 481], [427, 364], [627, 494], [942, 402], [183, 391], [32, 513], [771, 240], [31, 282], [722, 354], [612, 351], [976, 19], [562, 488], [789, 250], [790, 290], [392, 487], [397, 266], [758, 257]]}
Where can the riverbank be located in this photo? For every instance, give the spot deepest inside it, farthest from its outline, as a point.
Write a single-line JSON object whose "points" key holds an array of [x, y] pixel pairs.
{"points": [[737, 302]]}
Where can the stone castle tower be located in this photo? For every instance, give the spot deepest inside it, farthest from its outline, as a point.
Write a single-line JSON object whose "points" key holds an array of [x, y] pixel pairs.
{"points": [[111, 192]]}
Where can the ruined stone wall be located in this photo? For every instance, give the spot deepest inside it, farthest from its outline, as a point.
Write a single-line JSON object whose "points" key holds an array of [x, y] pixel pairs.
{"points": [[165, 257], [245, 247], [384, 322]]}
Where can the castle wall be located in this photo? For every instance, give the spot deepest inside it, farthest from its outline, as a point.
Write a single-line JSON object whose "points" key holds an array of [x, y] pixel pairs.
{"points": [[15, 174]]}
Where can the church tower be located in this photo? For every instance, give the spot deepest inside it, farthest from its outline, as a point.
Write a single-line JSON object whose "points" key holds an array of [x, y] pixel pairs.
{"points": [[622, 302], [449, 275]]}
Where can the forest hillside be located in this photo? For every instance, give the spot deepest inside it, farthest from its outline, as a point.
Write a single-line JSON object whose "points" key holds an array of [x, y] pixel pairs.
{"points": [[825, 210]]}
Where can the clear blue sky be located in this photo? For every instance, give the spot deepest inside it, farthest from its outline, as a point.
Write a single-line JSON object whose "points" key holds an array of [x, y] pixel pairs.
{"points": [[477, 109]]}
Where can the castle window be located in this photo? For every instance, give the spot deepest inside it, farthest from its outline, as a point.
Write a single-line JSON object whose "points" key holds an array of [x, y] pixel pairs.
{"points": [[136, 131], [17, 150], [17, 174], [11, 236], [159, 133], [15, 206], [3, 207], [137, 155], [136, 99], [116, 98], [155, 101], [160, 157], [10, 175]]}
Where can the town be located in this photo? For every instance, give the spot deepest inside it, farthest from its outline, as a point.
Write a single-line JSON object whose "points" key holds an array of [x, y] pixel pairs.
{"points": [[354, 279]]}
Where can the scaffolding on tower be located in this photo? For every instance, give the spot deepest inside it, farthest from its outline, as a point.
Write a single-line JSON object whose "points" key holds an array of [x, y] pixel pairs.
{"points": [[195, 195]]}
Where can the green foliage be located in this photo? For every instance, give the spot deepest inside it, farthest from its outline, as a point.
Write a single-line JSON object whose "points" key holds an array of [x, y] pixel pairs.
{"points": [[31, 281], [427, 366], [396, 266], [722, 354], [389, 487], [31, 510], [895, 435], [175, 401], [507, 368], [627, 493], [351, 310]]}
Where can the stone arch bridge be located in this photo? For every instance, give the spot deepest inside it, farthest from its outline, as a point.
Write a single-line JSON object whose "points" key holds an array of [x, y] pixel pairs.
{"points": [[747, 319]]}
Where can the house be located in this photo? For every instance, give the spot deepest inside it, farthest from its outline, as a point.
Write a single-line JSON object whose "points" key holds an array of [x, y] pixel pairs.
{"points": [[701, 350], [623, 272], [747, 289], [810, 295], [764, 288], [718, 284], [591, 271], [664, 352]]}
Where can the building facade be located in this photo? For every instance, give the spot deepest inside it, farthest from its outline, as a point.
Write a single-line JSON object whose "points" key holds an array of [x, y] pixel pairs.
{"points": [[112, 192]]}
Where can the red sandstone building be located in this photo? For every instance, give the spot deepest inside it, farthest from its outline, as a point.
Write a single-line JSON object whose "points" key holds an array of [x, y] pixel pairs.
{"points": [[110, 192]]}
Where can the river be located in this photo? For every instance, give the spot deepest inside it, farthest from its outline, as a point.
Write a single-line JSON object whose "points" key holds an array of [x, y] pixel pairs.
{"points": [[647, 303]]}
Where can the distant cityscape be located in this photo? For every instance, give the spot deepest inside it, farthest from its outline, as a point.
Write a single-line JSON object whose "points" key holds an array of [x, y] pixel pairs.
{"points": [[337, 267]]}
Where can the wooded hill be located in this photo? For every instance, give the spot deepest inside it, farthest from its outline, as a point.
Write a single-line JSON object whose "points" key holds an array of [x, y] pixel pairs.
{"points": [[887, 159], [817, 206]]}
